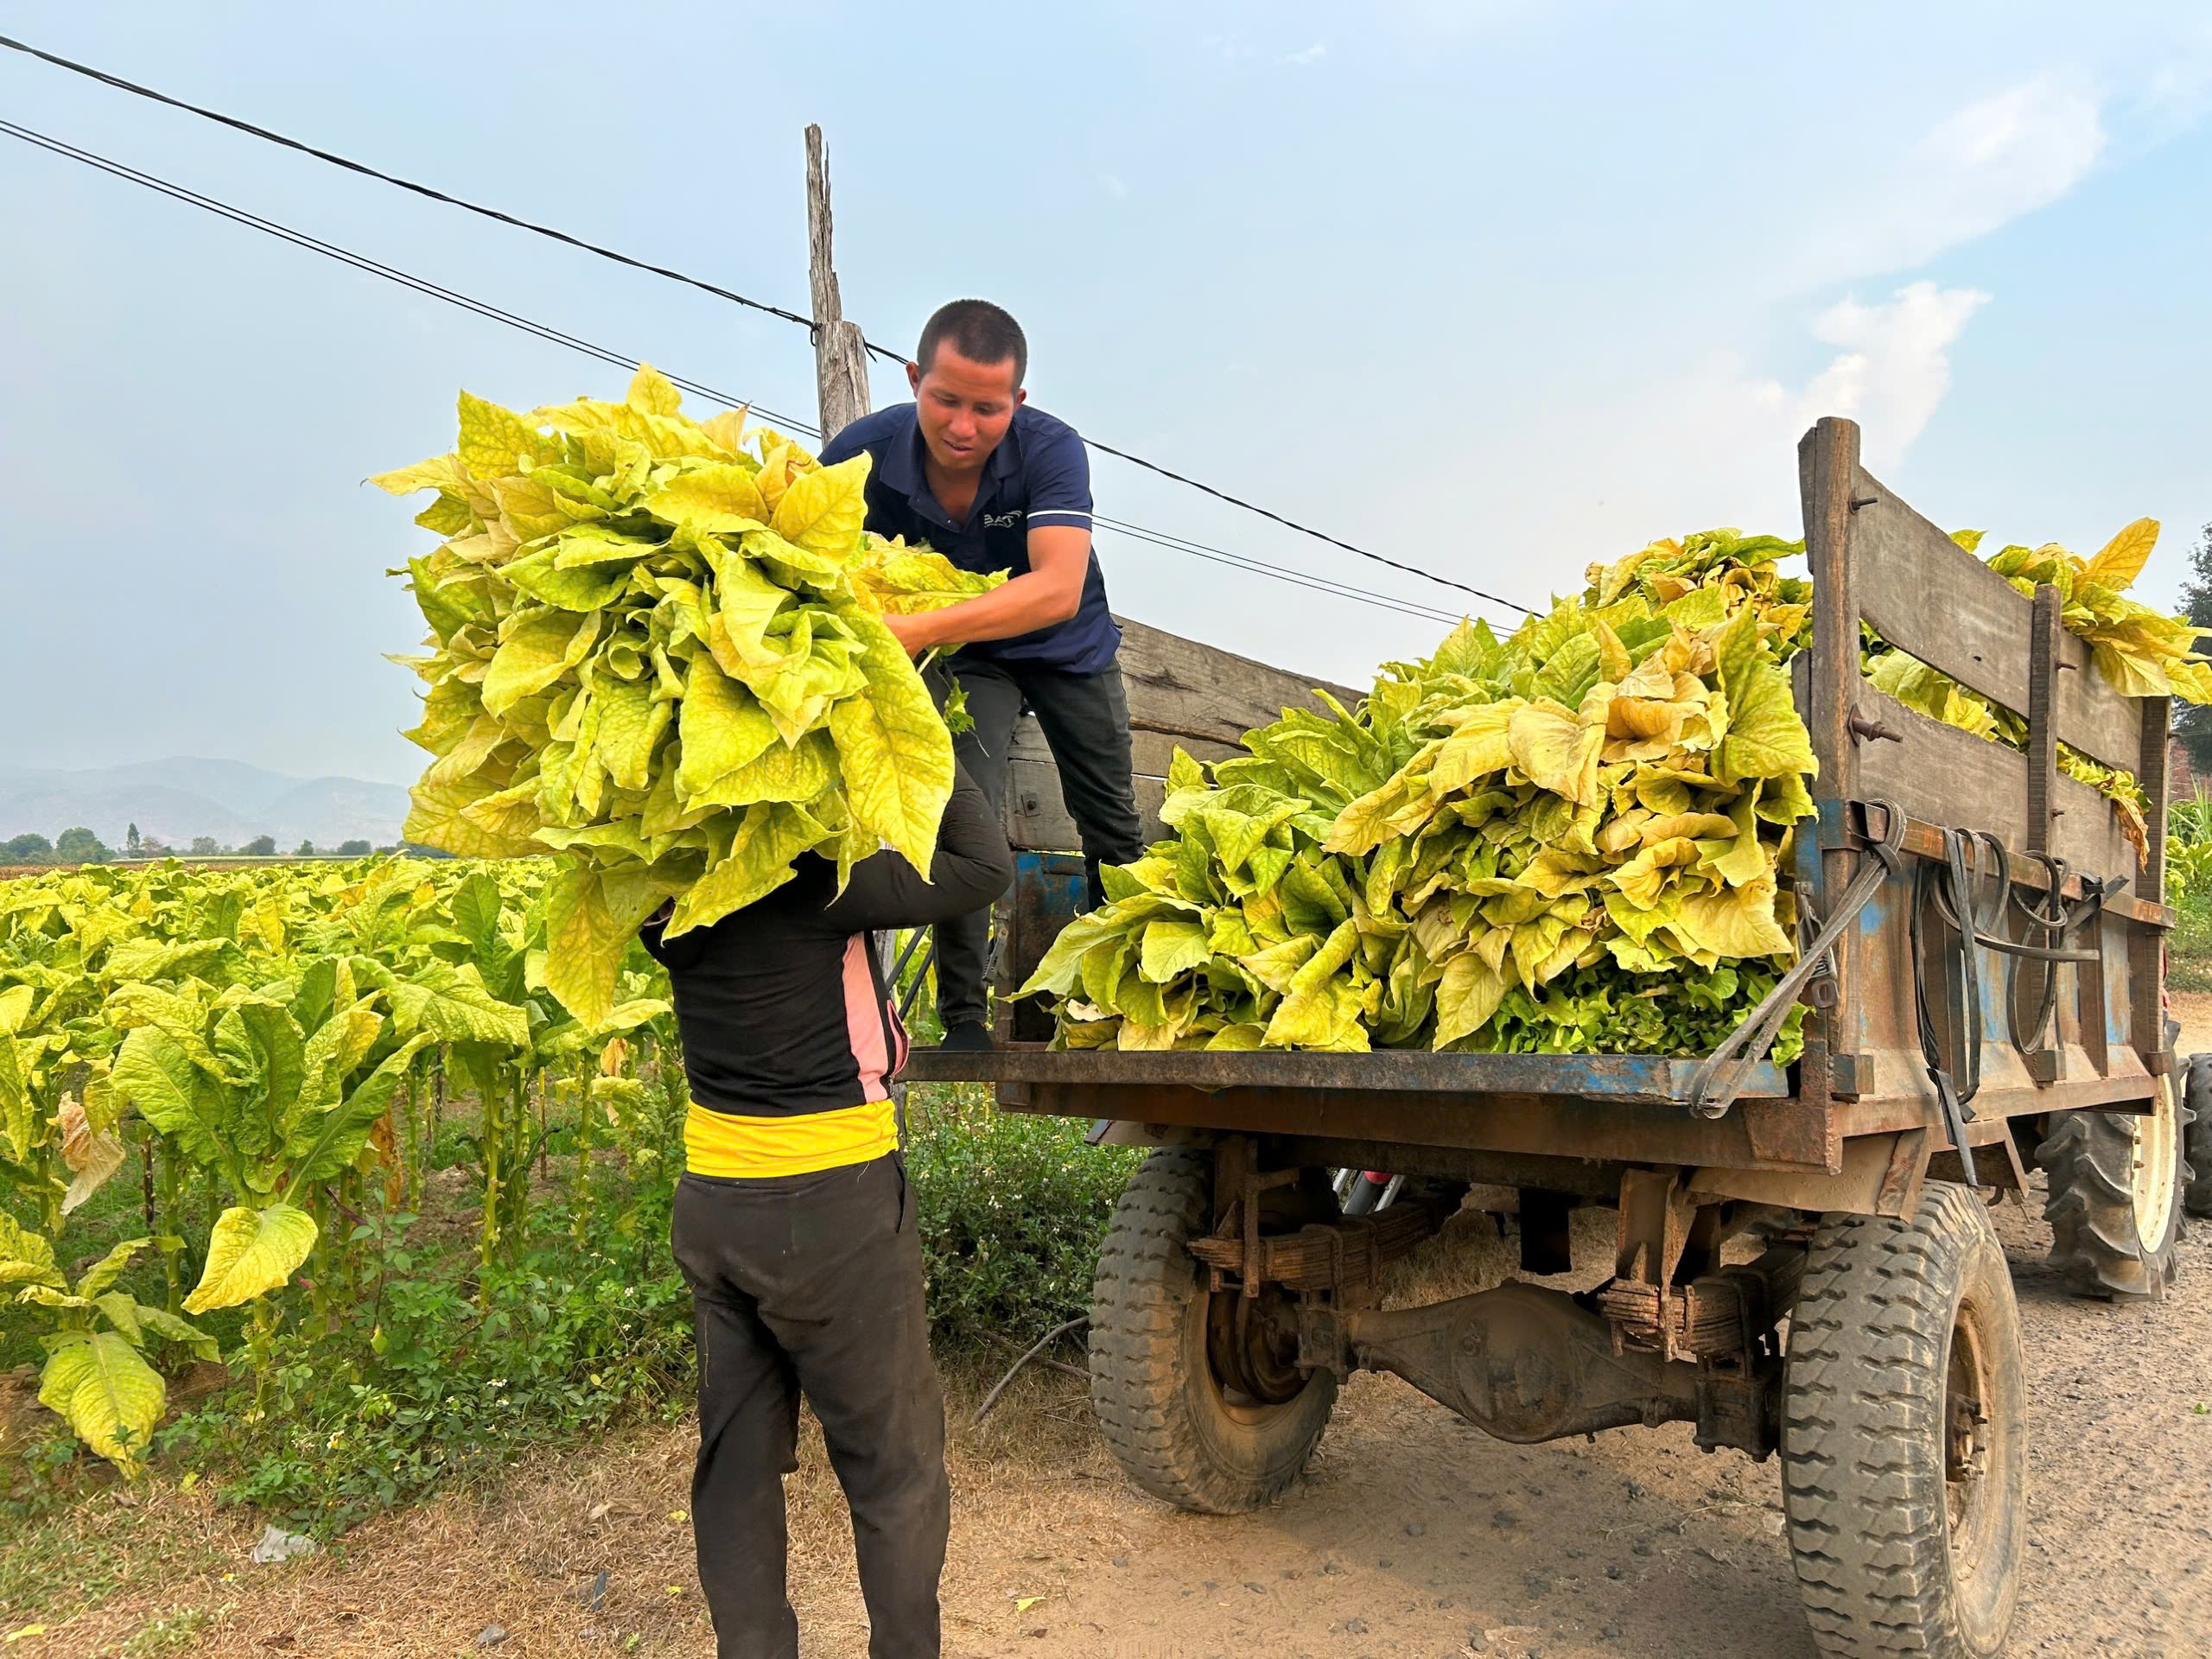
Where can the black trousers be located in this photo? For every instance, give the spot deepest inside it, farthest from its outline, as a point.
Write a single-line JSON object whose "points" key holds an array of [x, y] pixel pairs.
{"points": [[1085, 720], [812, 1284]]}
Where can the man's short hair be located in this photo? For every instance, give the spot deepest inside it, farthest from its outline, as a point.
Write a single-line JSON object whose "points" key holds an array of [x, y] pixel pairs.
{"points": [[979, 330]]}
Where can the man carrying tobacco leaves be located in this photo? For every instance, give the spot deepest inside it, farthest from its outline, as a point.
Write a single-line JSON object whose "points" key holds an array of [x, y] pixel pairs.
{"points": [[971, 469], [795, 1228]]}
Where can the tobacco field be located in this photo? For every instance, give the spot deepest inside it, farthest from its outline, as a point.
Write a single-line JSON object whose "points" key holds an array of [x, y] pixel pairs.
{"points": [[307, 1182]]}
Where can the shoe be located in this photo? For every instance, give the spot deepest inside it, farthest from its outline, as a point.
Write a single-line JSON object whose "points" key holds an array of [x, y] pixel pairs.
{"points": [[969, 1037]]}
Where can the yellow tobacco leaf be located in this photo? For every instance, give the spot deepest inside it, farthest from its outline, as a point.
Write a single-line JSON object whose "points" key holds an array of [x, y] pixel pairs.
{"points": [[822, 510], [1555, 751], [2124, 556], [716, 499], [892, 748], [109, 1395], [653, 392], [251, 1251]]}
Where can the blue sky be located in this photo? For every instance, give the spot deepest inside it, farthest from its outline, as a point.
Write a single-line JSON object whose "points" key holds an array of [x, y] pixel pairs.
{"points": [[1498, 288]]}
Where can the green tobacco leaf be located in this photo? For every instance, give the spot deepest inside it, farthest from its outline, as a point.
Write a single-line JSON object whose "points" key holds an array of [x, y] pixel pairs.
{"points": [[894, 751], [333, 1143], [1171, 948], [449, 1004], [759, 860], [249, 1253], [1765, 737], [155, 1075], [111, 1396], [26, 1257], [105, 1272], [591, 915], [160, 1322]]}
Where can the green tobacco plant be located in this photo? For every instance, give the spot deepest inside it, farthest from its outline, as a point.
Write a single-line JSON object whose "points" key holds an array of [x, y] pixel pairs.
{"points": [[96, 1374], [660, 652], [275, 1087]]}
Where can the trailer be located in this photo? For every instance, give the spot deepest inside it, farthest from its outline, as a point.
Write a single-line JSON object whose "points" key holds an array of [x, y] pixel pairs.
{"points": [[1803, 1262]]}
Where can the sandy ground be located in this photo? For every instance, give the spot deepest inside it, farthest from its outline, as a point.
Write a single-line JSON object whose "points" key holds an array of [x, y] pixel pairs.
{"points": [[1411, 1535]]}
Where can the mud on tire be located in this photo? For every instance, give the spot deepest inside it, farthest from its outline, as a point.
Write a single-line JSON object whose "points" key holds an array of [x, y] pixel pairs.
{"points": [[2116, 1220], [1903, 1437], [1176, 1430]]}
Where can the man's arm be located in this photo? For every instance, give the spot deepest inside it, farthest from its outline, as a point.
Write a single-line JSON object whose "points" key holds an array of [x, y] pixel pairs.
{"points": [[1059, 546], [676, 954], [1059, 559], [972, 866]]}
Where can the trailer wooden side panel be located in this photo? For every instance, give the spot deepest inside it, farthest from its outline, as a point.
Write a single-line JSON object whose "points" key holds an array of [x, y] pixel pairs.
{"points": [[1181, 692]]}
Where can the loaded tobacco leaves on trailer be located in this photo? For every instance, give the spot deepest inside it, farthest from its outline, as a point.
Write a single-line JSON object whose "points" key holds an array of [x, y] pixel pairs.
{"points": [[1567, 840]]}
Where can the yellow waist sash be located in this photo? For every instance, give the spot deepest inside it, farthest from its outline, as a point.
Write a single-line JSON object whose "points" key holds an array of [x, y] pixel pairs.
{"points": [[744, 1149]]}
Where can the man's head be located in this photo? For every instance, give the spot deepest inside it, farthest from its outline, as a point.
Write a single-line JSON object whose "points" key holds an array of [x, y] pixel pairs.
{"points": [[967, 381]]}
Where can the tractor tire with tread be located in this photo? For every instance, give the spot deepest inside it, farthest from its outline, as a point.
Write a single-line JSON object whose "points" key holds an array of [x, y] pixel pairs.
{"points": [[2196, 1096], [1177, 1431], [1903, 1439], [2116, 1226]]}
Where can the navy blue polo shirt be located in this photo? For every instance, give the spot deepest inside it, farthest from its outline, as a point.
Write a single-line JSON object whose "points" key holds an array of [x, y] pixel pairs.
{"points": [[1039, 474]]}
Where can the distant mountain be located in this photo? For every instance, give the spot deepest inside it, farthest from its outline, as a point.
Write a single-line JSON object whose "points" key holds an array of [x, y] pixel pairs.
{"points": [[177, 799]]}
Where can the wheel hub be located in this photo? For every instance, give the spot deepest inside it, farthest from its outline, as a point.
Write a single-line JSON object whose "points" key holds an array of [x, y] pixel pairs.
{"points": [[1252, 1344], [1967, 1385], [2154, 1165]]}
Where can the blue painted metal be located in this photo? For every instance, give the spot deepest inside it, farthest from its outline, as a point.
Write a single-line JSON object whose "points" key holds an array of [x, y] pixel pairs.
{"points": [[1050, 890]]}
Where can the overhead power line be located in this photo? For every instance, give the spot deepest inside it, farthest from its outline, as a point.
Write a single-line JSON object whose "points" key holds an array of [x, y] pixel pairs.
{"points": [[372, 267], [884, 353], [556, 336]]}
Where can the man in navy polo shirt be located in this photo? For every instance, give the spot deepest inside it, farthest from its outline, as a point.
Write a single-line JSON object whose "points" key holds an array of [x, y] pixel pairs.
{"points": [[994, 485]]}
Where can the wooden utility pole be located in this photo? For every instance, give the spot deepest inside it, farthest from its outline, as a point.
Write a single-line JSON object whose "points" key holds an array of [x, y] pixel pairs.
{"points": [[840, 358]]}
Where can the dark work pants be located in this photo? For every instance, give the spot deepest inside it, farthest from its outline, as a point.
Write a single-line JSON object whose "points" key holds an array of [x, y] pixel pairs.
{"points": [[812, 1284], [1085, 720]]}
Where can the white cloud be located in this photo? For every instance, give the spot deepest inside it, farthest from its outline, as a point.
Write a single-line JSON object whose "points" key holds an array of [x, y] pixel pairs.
{"points": [[1313, 53], [1987, 163], [1115, 187], [1893, 369], [1897, 366]]}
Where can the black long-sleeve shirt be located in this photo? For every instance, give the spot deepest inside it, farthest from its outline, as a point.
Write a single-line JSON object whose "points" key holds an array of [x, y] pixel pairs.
{"points": [[791, 1037]]}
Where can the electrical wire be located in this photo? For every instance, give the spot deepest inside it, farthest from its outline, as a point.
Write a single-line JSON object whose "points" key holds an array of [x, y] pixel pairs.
{"points": [[1259, 567], [373, 267], [883, 352], [544, 332]]}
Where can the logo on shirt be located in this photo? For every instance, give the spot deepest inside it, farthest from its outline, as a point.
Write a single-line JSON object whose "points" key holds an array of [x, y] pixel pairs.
{"points": [[1001, 520]]}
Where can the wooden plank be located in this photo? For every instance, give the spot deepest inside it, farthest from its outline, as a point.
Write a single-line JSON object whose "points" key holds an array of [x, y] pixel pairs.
{"points": [[1149, 752], [1929, 596], [1037, 819], [1946, 776], [2147, 950], [2042, 726], [1827, 459], [1182, 688]]}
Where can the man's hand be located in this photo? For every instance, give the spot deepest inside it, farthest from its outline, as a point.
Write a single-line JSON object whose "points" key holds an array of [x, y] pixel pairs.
{"points": [[912, 632], [1050, 592]]}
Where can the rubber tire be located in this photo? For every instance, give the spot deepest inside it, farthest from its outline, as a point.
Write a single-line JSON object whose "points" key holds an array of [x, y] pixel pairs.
{"points": [[2196, 1138], [1863, 1432], [2095, 1242], [1155, 1393]]}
